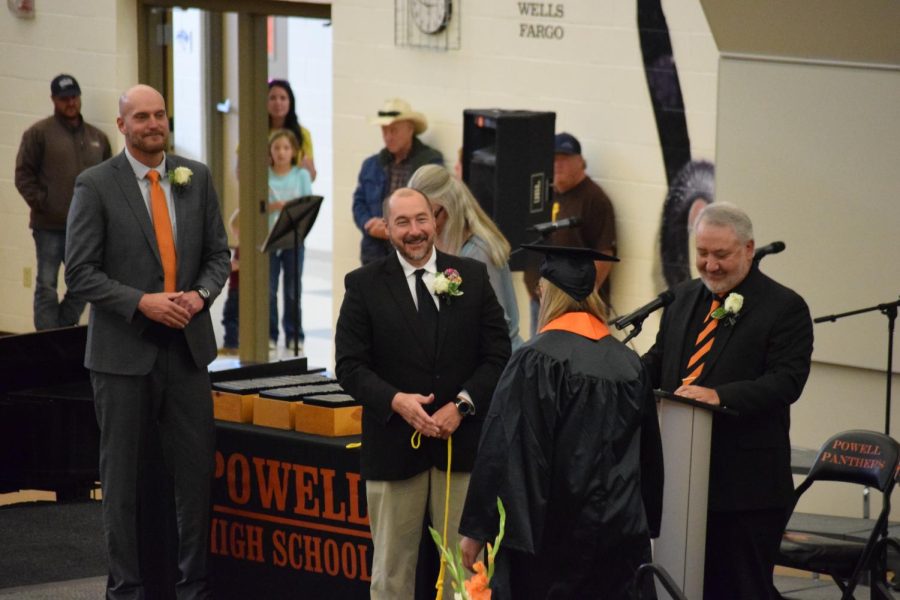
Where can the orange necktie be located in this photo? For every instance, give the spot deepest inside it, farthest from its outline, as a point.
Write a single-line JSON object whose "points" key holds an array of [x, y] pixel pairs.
{"points": [[162, 225], [703, 344]]}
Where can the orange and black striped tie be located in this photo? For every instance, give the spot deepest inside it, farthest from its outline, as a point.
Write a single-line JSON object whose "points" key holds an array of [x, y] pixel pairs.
{"points": [[703, 345], [162, 225]]}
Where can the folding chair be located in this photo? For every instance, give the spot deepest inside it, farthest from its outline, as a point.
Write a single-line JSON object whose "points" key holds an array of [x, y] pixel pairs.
{"points": [[882, 558], [865, 458]]}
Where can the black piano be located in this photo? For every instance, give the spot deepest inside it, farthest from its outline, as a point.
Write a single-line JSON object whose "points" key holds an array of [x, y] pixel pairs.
{"points": [[48, 432]]}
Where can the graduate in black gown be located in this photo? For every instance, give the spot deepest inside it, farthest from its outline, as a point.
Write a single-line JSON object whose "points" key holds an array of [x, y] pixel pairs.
{"points": [[571, 445]]}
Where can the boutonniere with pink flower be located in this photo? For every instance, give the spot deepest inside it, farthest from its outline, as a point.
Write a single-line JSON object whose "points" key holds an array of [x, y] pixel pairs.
{"points": [[729, 310], [180, 177], [446, 285]]}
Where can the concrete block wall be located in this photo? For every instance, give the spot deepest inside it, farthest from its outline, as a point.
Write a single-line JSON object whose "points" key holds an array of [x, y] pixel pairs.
{"points": [[95, 41], [592, 78]]}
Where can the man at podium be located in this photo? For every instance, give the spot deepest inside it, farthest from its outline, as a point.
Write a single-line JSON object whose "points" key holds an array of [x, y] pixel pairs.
{"points": [[738, 339]]}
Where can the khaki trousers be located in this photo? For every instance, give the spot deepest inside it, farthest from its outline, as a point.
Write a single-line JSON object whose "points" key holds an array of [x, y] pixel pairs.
{"points": [[396, 512]]}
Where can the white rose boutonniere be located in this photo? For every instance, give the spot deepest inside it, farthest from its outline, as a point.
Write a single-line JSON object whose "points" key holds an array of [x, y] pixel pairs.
{"points": [[730, 309], [180, 176], [446, 285]]}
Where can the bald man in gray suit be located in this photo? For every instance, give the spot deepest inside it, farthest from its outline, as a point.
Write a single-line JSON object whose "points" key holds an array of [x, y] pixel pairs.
{"points": [[150, 337]]}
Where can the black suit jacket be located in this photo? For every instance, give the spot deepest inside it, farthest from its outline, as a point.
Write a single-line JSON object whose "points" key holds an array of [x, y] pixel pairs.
{"points": [[758, 366], [381, 350]]}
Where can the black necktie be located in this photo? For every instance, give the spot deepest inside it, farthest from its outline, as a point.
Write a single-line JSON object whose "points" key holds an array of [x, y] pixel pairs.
{"points": [[428, 312]]}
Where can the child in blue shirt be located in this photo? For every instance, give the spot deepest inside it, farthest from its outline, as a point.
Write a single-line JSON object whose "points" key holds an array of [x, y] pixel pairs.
{"points": [[287, 181]]}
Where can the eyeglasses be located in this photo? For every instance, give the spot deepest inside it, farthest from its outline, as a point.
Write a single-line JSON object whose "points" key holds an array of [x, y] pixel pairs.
{"points": [[438, 212]]}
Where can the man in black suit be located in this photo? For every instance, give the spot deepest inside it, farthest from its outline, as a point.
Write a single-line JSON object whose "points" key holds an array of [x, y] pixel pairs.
{"points": [[738, 339], [424, 360], [147, 248]]}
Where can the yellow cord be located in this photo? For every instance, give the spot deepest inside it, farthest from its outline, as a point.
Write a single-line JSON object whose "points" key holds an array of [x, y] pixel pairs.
{"points": [[440, 582], [415, 442]]}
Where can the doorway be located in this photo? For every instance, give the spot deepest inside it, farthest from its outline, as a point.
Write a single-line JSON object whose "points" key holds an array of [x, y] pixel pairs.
{"points": [[193, 56]]}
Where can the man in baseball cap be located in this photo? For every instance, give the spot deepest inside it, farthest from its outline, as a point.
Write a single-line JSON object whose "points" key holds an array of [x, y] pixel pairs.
{"points": [[64, 86], [388, 170], [52, 154], [576, 195], [566, 143]]}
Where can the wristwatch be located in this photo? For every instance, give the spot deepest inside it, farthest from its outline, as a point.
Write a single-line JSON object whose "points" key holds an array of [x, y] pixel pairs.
{"points": [[204, 295], [465, 407]]}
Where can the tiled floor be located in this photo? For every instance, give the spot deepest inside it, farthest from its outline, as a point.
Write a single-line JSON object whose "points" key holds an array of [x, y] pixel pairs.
{"points": [[76, 589]]}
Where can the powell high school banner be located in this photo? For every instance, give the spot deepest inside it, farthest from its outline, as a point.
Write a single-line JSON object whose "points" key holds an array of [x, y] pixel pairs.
{"points": [[289, 516]]}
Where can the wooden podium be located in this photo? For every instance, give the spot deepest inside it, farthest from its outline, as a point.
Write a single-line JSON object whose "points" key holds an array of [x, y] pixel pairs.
{"points": [[686, 428]]}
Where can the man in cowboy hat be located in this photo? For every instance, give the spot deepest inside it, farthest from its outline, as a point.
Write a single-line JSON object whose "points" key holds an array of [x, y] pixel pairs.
{"points": [[388, 170]]}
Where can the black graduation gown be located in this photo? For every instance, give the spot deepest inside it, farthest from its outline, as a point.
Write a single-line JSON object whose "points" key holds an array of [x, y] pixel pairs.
{"points": [[571, 445]]}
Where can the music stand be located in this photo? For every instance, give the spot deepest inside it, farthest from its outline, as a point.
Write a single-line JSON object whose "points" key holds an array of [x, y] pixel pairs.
{"points": [[888, 309], [294, 222]]}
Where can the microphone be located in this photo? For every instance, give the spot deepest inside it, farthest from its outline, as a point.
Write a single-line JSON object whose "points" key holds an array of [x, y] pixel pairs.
{"points": [[643, 312], [544, 228], [773, 248]]}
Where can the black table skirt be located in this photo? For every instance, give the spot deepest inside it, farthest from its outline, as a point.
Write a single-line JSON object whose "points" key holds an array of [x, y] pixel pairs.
{"points": [[288, 516]]}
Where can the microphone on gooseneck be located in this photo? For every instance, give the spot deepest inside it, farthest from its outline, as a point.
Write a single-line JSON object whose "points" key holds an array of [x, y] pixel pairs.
{"points": [[773, 248], [643, 312], [543, 228]]}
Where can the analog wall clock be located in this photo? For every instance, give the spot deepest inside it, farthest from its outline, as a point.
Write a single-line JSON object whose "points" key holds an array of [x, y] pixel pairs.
{"points": [[431, 16], [431, 24]]}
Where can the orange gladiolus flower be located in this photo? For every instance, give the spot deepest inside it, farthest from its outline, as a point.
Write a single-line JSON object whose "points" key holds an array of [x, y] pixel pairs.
{"points": [[477, 584]]}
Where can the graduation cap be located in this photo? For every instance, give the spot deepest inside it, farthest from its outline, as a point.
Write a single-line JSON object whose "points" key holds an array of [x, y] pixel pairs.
{"points": [[570, 269]]}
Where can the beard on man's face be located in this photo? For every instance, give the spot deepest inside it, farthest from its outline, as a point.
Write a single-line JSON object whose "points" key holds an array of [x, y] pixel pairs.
{"points": [[149, 142], [414, 247]]}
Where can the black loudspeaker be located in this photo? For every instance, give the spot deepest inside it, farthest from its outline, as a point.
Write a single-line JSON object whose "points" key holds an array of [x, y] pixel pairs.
{"points": [[508, 164]]}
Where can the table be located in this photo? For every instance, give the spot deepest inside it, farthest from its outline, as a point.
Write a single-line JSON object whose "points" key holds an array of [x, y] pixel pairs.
{"points": [[288, 515]]}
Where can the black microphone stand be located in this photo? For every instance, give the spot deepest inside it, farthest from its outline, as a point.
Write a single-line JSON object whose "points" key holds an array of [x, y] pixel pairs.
{"points": [[637, 326], [890, 311]]}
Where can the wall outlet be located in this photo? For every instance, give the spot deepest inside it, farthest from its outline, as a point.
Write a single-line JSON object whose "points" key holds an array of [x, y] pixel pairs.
{"points": [[27, 277]]}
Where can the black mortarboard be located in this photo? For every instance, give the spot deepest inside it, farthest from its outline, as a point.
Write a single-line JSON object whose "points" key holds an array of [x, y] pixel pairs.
{"points": [[570, 269]]}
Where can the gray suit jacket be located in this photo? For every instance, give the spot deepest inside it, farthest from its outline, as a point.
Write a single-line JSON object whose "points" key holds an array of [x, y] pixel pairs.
{"points": [[112, 259]]}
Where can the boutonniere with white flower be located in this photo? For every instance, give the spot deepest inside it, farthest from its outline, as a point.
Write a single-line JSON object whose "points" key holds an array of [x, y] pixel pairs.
{"points": [[180, 177], [730, 309], [446, 285]]}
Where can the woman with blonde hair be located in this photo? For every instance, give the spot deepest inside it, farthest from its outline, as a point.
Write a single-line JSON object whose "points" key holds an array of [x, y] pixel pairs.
{"points": [[571, 445], [464, 229]]}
